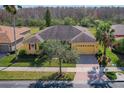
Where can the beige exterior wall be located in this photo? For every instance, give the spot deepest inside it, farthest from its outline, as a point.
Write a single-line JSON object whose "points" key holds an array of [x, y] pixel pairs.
{"points": [[31, 50], [85, 47], [81, 48]]}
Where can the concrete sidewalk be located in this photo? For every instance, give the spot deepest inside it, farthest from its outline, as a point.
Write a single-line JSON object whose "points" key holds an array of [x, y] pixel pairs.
{"points": [[64, 69]]}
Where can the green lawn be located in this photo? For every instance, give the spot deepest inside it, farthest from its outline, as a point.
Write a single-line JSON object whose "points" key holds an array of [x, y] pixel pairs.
{"points": [[93, 30], [28, 62], [34, 30], [6, 60], [115, 59], [23, 75]]}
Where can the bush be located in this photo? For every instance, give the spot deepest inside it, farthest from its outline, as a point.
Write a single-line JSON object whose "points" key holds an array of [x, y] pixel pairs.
{"points": [[22, 53], [99, 54], [87, 22], [57, 22], [69, 21], [36, 22], [111, 75], [20, 22], [120, 47]]}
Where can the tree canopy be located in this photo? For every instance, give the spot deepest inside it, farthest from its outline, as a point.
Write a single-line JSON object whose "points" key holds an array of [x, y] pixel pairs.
{"points": [[48, 17]]}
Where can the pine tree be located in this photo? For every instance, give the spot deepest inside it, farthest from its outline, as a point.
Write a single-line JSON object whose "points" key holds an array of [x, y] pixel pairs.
{"points": [[48, 17]]}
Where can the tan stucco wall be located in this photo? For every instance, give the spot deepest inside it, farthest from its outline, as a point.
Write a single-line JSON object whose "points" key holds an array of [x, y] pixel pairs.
{"points": [[26, 47], [81, 48], [85, 47]]}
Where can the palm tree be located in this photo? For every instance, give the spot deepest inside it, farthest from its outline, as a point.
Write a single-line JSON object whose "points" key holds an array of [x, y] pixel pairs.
{"points": [[105, 36], [12, 9]]}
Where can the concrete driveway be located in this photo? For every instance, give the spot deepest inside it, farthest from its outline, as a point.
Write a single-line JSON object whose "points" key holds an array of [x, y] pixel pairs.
{"points": [[87, 59]]}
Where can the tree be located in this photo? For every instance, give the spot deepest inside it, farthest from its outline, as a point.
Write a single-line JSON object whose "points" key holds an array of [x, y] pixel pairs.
{"points": [[105, 36], [48, 17], [69, 21], [59, 50], [57, 22], [87, 22], [12, 9]]}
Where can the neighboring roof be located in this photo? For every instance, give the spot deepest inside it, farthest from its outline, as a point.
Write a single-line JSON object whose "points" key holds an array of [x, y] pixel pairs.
{"points": [[4, 38], [6, 33], [119, 29], [65, 33]]}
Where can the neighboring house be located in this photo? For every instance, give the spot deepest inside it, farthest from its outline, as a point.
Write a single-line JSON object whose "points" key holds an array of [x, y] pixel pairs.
{"points": [[119, 30], [79, 38], [7, 37]]}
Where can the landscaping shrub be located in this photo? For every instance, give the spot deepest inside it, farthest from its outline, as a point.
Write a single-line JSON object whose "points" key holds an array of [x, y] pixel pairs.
{"points": [[22, 53], [111, 75], [99, 54], [120, 48]]}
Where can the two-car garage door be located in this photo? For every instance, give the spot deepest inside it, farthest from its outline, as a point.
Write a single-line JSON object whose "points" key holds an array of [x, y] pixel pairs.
{"points": [[85, 48]]}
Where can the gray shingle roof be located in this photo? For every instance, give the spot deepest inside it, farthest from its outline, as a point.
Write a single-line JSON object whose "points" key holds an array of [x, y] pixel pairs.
{"points": [[60, 32], [84, 37], [65, 33], [119, 29], [31, 40]]}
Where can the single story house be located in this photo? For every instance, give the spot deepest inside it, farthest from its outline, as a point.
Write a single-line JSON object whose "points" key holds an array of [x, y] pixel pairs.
{"points": [[7, 37], [79, 37], [119, 30]]}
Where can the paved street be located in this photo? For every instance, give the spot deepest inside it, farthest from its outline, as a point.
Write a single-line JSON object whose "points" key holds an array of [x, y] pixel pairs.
{"points": [[36, 84]]}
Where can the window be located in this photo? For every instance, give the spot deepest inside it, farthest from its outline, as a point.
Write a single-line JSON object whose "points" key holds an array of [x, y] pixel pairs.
{"points": [[32, 46]]}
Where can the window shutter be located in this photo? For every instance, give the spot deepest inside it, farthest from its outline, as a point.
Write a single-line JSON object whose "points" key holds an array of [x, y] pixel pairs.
{"points": [[29, 47], [35, 46]]}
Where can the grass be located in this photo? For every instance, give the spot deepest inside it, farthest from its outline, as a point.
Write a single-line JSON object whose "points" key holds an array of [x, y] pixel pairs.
{"points": [[23, 75], [114, 58], [7, 60], [28, 62], [34, 30], [111, 75], [93, 30]]}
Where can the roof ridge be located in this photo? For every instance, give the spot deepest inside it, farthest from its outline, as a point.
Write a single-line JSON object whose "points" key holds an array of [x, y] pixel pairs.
{"points": [[39, 37], [86, 31], [77, 36]]}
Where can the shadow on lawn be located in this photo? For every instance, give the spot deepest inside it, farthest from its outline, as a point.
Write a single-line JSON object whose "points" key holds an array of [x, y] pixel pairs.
{"points": [[96, 82]]}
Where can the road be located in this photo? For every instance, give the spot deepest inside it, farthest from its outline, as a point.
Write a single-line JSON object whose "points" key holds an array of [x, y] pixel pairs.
{"points": [[34, 84]]}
